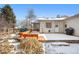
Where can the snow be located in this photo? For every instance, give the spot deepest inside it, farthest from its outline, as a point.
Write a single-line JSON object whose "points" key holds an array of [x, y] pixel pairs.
{"points": [[12, 35], [15, 44], [59, 37], [60, 47], [71, 49], [50, 18], [60, 44], [12, 40], [54, 47]]}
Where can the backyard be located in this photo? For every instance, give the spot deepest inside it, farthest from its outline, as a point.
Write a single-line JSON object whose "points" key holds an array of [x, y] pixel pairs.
{"points": [[38, 35], [59, 44], [52, 43]]}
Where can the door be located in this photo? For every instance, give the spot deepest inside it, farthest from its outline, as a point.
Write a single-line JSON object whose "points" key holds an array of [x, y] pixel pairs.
{"points": [[56, 28]]}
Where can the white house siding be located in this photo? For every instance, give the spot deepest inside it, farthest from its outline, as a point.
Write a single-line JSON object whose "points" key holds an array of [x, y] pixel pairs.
{"points": [[46, 30], [62, 26], [74, 23], [43, 27]]}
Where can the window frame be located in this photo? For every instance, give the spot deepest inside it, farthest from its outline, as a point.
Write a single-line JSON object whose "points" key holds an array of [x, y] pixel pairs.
{"points": [[48, 24]]}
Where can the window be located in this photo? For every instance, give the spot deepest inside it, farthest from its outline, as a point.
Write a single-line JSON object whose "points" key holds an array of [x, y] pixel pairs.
{"points": [[48, 24], [56, 25], [65, 25]]}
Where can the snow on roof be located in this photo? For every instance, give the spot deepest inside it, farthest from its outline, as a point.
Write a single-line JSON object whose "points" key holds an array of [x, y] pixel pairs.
{"points": [[62, 18], [44, 18], [34, 21]]}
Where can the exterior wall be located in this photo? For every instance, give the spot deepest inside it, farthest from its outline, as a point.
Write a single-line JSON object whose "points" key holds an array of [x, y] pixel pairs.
{"points": [[74, 23], [62, 26], [52, 30], [43, 27]]}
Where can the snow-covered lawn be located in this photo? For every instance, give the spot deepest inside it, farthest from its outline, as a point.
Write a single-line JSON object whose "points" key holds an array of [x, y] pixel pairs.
{"points": [[60, 47], [59, 37], [56, 49]]}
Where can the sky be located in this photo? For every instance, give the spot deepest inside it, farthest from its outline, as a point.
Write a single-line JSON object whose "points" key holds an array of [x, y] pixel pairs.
{"points": [[44, 10]]}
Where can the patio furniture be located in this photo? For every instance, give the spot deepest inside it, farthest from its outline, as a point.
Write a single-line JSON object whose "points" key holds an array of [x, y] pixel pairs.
{"points": [[25, 35], [69, 31]]}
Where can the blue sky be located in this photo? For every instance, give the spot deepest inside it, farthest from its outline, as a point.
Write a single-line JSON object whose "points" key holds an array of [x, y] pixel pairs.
{"points": [[44, 10]]}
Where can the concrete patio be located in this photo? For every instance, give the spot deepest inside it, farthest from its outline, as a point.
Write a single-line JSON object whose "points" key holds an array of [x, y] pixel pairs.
{"points": [[60, 38]]}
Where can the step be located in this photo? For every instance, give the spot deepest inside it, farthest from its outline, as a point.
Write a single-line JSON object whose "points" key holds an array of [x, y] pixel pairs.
{"points": [[60, 44]]}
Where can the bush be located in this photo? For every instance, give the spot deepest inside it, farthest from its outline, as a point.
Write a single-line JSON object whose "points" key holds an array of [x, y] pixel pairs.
{"points": [[5, 47], [31, 46]]}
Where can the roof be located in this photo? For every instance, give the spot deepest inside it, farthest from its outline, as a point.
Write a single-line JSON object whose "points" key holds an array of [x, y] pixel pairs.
{"points": [[77, 15], [63, 18], [74, 16]]}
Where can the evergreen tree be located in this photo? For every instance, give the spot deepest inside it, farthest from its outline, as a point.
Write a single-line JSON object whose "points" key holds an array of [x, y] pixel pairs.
{"points": [[7, 12], [0, 12]]}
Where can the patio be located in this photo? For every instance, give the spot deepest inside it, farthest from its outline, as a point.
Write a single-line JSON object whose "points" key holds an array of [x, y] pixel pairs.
{"points": [[57, 37], [60, 44], [60, 38]]}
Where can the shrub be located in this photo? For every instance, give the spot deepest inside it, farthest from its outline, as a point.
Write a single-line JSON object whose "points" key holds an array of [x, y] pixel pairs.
{"points": [[5, 47], [31, 46]]}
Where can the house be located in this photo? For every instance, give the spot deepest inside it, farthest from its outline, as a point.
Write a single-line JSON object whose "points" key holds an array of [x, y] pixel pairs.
{"points": [[56, 25], [52, 25], [49, 25]]}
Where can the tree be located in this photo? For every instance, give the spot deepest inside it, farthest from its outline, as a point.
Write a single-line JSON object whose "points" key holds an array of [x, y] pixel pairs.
{"points": [[0, 12], [7, 12], [31, 14], [58, 16]]}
